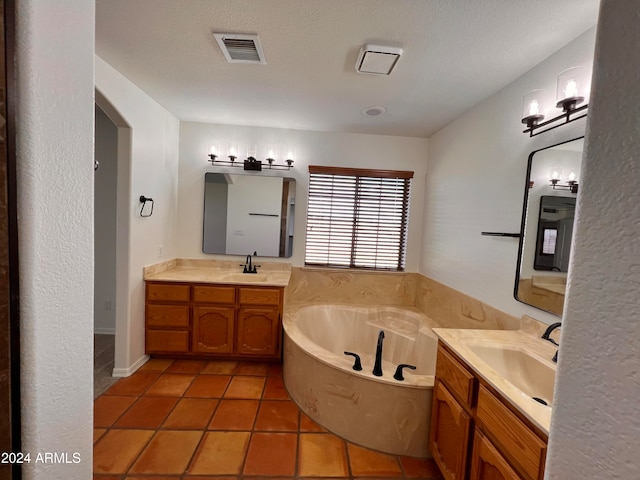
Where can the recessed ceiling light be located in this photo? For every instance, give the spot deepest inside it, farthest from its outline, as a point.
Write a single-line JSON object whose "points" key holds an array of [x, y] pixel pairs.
{"points": [[373, 111]]}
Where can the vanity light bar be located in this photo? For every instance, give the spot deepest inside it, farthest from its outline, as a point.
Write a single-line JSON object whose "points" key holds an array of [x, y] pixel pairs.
{"points": [[251, 163], [562, 119]]}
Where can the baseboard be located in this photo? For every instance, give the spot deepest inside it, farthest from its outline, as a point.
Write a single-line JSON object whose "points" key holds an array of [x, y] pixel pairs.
{"points": [[104, 331], [125, 372]]}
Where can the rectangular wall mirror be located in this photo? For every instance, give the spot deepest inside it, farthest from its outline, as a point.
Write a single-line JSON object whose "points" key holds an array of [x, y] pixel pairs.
{"points": [[547, 225], [244, 214]]}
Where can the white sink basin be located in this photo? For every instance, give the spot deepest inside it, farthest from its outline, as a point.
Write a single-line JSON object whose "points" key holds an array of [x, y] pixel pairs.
{"points": [[245, 277], [532, 375]]}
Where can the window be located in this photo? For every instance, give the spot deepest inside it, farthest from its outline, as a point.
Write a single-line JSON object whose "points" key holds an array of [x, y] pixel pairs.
{"points": [[357, 218], [549, 241]]}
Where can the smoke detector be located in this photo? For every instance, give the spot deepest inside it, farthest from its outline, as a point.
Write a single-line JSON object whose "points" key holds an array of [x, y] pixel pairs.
{"points": [[240, 48], [377, 59]]}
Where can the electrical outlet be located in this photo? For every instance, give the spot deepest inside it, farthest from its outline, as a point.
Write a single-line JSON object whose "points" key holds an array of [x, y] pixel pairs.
{"points": [[108, 305], [160, 251]]}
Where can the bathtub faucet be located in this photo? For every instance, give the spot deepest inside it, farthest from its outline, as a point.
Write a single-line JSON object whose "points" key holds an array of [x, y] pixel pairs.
{"points": [[377, 368]]}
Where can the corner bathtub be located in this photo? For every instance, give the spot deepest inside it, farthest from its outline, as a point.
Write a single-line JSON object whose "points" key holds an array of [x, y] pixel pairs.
{"points": [[376, 412]]}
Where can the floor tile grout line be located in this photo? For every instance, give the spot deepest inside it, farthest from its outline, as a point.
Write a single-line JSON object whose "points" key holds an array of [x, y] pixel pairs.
{"points": [[204, 431]]}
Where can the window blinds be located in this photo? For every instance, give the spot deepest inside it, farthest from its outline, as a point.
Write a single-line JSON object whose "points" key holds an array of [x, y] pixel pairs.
{"points": [[357, 218]]}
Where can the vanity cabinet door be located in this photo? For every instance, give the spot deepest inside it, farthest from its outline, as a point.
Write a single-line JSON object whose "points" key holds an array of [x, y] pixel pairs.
{"points": [[258, 331], [487, 463], [213, 329], [449, 435]]}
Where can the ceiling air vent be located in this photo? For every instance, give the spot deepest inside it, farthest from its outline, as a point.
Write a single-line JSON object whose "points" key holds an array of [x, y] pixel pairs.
{"points": [[238, 48], [377, 59]]}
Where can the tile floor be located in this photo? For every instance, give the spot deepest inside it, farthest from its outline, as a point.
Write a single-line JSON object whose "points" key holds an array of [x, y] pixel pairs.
{"points": [[191, 419]]}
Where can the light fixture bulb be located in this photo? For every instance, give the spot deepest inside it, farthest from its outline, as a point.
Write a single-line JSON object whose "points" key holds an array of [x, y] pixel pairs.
{"points": [[233, 152], [213, 150], [532, 108], [291, 153], [571, 89], [555, 175], [572, 177]]}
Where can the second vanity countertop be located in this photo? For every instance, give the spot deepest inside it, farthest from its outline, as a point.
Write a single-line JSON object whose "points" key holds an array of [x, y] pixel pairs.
{"points": [[526, 340], [214, 271]]}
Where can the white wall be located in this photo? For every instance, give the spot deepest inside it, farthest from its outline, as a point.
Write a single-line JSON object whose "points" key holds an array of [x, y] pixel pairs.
{"points": [[595, 428], [475, 182], [147, 165], [312, 148], [106, 153], [54, 51]]}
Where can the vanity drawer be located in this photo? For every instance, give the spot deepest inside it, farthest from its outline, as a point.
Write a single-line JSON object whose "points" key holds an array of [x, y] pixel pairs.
{"points": [[458, 379], [214, 294], [160, 341], [168, 292], [519, 444], [259, 296], [167, 315]]}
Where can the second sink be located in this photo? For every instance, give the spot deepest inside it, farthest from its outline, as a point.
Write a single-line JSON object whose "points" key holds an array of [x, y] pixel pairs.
{"points": [[531, 375]]}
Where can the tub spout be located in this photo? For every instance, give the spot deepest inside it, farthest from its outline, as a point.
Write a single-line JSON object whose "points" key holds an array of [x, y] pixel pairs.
{"points": [[357, 365], [377, 368]]}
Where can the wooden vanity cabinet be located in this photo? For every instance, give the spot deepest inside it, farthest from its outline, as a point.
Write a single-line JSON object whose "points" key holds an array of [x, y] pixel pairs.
{"points": [[487, 463], [258, 321], [213, 320], [167, 318], [474, 433]]}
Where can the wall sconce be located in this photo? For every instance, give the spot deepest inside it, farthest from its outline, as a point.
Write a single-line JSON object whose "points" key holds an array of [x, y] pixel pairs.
{"points": [[251, 162], [571, 90], [571, 185], [532, 108]]}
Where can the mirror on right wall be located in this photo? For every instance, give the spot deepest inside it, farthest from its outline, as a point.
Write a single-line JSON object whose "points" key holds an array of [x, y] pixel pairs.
{"points": [[553, 180]]}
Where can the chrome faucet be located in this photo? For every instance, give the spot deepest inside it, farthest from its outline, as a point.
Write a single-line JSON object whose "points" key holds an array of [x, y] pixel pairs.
{"points": [[377, 367]]}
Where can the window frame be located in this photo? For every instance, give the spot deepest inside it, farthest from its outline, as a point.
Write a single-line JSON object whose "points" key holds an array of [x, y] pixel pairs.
{"points": [[358, 246]]}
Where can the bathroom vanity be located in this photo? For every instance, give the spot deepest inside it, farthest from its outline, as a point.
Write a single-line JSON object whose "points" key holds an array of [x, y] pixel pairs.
{"points": [[193, 309], [485, 424]]}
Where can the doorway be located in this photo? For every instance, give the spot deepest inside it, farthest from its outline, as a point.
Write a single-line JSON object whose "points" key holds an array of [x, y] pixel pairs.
{"points": [[105, 225]]}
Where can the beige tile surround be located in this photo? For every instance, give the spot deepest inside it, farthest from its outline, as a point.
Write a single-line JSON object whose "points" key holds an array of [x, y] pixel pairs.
{"points": [[447, 307]]}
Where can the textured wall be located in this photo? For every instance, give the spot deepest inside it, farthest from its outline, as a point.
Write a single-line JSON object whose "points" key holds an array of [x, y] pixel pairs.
{"points": [[595, 430], [55, 204], [475, 182]]}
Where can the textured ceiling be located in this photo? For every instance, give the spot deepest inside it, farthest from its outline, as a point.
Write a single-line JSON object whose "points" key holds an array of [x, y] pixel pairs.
{"points": [[456, 53]]}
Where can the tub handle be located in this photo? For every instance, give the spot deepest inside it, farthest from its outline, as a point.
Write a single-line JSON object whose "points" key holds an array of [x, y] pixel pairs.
{"points": [[398, 375], [357, 365]]}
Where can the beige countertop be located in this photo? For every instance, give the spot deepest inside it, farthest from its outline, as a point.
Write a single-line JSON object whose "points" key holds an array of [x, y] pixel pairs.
{"points": [[227, 272], [552, 284], [528, 341]]}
